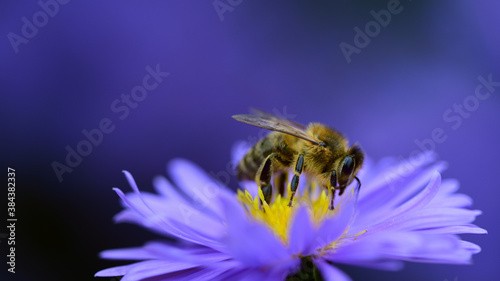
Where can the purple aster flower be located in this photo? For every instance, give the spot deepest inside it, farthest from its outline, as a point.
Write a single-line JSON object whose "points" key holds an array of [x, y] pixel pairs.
{"points": [[404, 212]]}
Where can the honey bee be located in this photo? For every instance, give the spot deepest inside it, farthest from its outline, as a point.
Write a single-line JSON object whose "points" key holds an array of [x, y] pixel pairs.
{"points": [[316, 150]]}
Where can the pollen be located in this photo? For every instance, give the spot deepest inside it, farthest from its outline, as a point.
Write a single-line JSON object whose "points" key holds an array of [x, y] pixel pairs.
{"points": [[278, 216]]}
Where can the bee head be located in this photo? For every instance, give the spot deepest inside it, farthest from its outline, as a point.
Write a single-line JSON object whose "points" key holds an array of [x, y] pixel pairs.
{"points": [[347, 169]]}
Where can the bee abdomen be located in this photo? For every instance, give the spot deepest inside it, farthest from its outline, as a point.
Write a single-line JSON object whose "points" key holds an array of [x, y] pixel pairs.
{"points": [[248, 166]]}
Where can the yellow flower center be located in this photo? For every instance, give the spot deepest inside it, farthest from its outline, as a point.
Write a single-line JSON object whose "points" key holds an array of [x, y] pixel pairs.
{"points": [[278, 216]]}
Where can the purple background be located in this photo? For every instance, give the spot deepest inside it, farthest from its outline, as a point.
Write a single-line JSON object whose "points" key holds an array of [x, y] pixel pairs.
{"points": [[283, 54]]}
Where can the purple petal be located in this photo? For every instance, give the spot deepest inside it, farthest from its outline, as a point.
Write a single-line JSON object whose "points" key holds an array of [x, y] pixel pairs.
{"points": [[154, 268], [167, 190], [429, 218], [431, 249], [366, 248], [203, 189], [251, 243], [137, 253], [160, 250], [196, 234], [454, 200], [424, 197], [201, 275], [185, 274], [251, 275], [301, 233], [271, 273], [281, 271], [214, 272], [389, 171], [377, 206], [382, 264], [251, 187], [408, 246], [115, 271], [448, 186], [151, 220], [471, 247], [332, 228], [234, 274], [170, 210], [138, 209], [455, 229], [330, 272], [130, 216]]}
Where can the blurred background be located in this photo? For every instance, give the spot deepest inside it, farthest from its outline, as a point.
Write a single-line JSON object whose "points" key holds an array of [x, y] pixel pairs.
{"points": [[386, 73]]}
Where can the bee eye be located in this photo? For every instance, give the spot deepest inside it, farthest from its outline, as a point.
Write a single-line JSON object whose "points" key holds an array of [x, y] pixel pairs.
{"points": [[347, 168]]}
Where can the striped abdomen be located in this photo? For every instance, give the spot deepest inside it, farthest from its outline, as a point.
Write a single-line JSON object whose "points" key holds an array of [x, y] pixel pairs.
{"points": [[272, 143]]}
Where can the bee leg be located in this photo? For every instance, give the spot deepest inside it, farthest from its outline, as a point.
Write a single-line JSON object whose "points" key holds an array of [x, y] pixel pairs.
{"points": [[333, 187], [332, 198], [263, 178], [268, 193], [295, 180]]}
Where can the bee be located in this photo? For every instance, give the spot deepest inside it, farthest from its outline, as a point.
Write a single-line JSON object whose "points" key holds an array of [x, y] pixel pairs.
{"points": [[316, 150]]}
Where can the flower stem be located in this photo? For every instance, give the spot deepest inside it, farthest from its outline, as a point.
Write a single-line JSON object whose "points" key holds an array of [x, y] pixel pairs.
{"points": [[307, 271]]}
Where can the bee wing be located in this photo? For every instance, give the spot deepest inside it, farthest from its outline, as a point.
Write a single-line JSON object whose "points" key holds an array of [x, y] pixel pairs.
{"points": [[278, 119], [274, 123]]}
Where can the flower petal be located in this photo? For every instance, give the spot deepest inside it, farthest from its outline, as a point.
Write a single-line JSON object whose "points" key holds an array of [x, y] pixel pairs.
{"points": [[448, 186], [455, 229], [167, 190], [330, 272], [366, 248], [148, 219], [421, 199], [114, 271], [454, 200], [202, 188], [390, 171], [471, 247], [186, 252], [428, 218], [430, 249], [376, 207], [382, 264], [154, 268], [332, 228], [166, 209], [137, 253], [249, 242], [408, 246], [301, 233], [214, 272], [251, 187]]}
